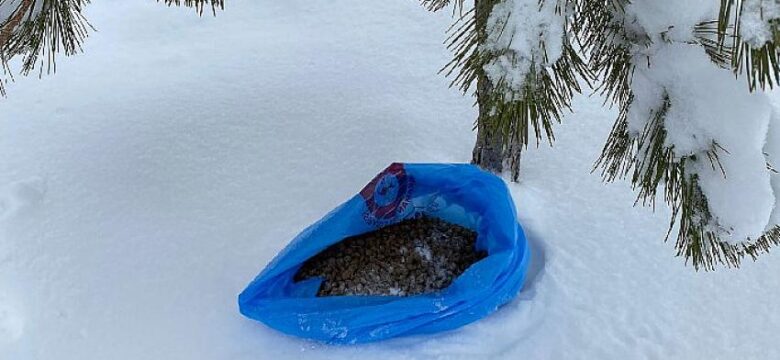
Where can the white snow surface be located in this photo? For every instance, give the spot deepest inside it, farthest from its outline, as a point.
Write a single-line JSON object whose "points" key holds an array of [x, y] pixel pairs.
{"points": [[149, 180]]}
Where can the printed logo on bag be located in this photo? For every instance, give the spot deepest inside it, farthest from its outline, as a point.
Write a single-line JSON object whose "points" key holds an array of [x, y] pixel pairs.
{"points": [[388, 195]]}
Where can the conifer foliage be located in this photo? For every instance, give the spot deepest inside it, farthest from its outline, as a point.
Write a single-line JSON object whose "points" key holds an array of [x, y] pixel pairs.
{"points": [[37, 30], [528, 58]]}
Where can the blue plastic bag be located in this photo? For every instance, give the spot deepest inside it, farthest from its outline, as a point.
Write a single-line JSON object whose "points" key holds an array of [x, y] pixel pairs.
{"points": [[459, 193]]}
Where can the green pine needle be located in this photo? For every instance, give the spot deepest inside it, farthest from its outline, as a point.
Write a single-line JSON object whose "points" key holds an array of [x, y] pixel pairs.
{"points": [[59, 26], [198, 5], [436, 5], [759, 65]]}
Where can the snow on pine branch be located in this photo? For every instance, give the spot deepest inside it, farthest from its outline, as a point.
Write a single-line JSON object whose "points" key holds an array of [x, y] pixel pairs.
{"points": [[772, 151], [708, 113], [755, 26], [198, 5], [526, 36], [686, 125]]}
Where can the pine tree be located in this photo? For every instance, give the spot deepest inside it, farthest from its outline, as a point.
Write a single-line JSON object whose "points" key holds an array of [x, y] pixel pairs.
{"points": [[601, 46], [525, 60], [37, 30]]}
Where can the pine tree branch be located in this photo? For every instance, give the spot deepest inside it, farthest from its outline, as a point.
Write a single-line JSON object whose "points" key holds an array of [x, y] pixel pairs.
{"points": [[708, 36], [703, 247], [198, 5], [464, 39], [532, 114], [759, 64], [8, 26], [651, 165], [609, 45], [436, 5], [645, 160], [518, 115], [39, 29]]}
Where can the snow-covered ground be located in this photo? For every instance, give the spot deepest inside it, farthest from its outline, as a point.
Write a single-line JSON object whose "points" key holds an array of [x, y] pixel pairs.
{"points": [[148, 181]]}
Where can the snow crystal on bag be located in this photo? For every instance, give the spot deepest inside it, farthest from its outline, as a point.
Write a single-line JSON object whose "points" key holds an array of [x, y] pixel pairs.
{"points": [[424, 252]]}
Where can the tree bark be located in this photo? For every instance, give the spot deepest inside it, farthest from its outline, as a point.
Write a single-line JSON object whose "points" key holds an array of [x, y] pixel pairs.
{"points": [[489, 151], [14, 20]]}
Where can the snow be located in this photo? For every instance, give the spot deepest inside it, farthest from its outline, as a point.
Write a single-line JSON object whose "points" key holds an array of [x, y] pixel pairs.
{"points": [[704, 100], [516, 28], [674, 18], [708, 109], [772, 151], [7, 8], [756, 15], [707, 105], [149, 180], [11, 325], [424, 252]]}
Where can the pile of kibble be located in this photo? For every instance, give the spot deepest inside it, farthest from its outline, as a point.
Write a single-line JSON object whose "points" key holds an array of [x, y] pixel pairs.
{"points": [[416, 256]]}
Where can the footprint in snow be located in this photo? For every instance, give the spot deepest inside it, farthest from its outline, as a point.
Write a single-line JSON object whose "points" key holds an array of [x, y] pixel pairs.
{"points": [[20, 196], [11, 323]]}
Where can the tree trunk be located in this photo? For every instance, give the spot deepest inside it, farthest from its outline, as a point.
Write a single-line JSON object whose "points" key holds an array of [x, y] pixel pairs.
{"points": [[489, 151]]}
